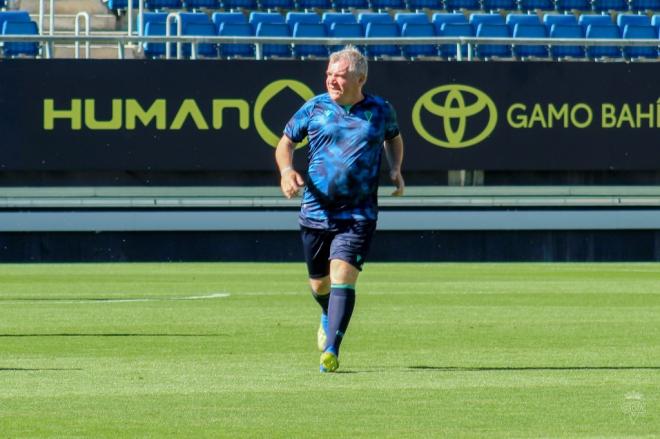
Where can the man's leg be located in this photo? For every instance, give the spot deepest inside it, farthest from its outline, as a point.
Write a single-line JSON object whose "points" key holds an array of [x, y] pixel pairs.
{"points": [[316, 248], [321, 293]]}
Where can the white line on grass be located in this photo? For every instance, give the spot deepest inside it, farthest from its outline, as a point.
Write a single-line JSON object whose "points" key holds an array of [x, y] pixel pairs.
{"points": [[129, 300]]}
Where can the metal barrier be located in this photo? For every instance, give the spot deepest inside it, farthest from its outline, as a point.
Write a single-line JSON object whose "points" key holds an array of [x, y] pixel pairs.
{"points": [[85, 16]]}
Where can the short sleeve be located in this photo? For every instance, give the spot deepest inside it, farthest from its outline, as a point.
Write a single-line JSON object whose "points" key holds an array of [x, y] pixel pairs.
{"points": [[391, 125], [296, 128]]}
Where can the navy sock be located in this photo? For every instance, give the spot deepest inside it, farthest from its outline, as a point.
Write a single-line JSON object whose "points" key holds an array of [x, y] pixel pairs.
{"points": [[340, 309], [322, 299]]}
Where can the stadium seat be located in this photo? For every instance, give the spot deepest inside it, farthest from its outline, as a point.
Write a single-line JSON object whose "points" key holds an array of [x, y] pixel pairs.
{"points": [[344, 30], [655, 20], [644, 5], [440, 18], [595, 31], [341, 5], [572, 5], [302, 30], [513, 19], [276, 4], [155, 5], [418, 5], [194, 17], [266, 29], [457, 5], [256, 18], [157, 50], [232, 5], [623, 20], [599, 20], [566, 31], [117, 5], [410, 30], [228, 17], [197, 4], [609, 5], [13, 16], [521, 30], [208, 50], [236, 50], [499, 5], [562, 19], [454, 30], [292, 18], [330, 18], [485, 51], [631, 31], [401, 18], [20, 48], [478, 18], [365, 18], [314, 4], [532, 5], [378, 5], [382, 30]]}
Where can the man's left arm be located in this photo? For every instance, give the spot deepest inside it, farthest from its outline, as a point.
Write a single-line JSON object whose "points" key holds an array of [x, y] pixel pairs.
{"points": [[394, 155]]}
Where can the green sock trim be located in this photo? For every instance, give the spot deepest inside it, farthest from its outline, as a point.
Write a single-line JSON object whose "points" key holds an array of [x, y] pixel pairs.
{"points": [[349, 286]]}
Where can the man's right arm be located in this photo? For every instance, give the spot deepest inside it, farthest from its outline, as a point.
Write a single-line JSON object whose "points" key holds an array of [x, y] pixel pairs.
{"points": [[290, 181]]}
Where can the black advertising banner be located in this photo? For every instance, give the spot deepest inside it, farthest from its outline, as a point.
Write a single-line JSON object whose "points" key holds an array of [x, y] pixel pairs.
{"points": [[228, 115]]}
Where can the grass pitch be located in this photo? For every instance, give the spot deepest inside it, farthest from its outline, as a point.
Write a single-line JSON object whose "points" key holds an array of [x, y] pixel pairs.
{"points": [[433, 350]]}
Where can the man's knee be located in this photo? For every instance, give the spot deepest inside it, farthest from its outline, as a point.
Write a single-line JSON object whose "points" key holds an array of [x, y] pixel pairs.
{"points": [[341, 272], [321, 285]]}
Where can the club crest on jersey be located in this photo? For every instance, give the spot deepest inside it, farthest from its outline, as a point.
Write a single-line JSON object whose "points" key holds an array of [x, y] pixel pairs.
{"points": [[368, 115]]}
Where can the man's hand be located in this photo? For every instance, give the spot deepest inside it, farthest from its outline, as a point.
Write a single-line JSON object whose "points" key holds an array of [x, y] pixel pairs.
{"points": [[291, 183], [397, 180]]}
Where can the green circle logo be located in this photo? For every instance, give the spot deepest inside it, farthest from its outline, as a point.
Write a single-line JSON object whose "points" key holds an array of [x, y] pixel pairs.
{"points": [[454, 108], [268, 93]]}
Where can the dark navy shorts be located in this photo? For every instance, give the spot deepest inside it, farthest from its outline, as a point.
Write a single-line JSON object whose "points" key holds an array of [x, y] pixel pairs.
{"points": [[349, 242]]}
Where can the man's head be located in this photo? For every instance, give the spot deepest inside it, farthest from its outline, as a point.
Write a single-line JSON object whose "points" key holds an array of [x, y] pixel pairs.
{"points": [[346, 74]]}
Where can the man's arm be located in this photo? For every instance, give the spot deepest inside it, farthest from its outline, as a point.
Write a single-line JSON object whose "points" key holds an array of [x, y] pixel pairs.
{"points": [[394, 156], [290, 181]]}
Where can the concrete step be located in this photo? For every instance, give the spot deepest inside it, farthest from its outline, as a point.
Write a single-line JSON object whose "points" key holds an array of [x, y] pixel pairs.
{"points": [[66, 22], [96, 52], [65, 6]]}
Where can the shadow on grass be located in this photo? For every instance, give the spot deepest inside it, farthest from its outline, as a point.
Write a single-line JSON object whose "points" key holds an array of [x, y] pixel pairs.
{"points": [[111, 335], [31, 369], [518, 369]]}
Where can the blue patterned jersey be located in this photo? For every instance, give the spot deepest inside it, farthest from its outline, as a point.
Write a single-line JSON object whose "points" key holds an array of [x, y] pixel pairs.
{"points": [[345, 149]]}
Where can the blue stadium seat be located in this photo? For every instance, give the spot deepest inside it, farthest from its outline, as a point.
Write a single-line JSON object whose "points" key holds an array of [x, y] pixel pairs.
{"points": [[344, 30], [207, 50], [609, 5], [655, 20], [457, 5], [378, 5], [531, 5], [194, 17], [440, 18], [644, 5], [454, 30], [156, 50], [314, 4], [13, 16], [301, 17], [566, 31], [228, 17], [418, 30], [418, 5], [330, 18], [570, 5], [20, 48], [197, 4], [401, 18], [631, 31], [341, 5], [493, 50], [365, 18], [236, 50], [232, 5], [595, 31], [499, 5], [513, 19], [530, 31], [117, 5], [266, 29], [162, 4], [382, 30], [599, 20], [256, 18], [623, 20], [478, 18], [276, 4], [563, 19], [301, 30]]}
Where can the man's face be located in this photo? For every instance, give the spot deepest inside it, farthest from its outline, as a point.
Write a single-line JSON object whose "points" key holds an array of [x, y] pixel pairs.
{"points": [[344, 87]]}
